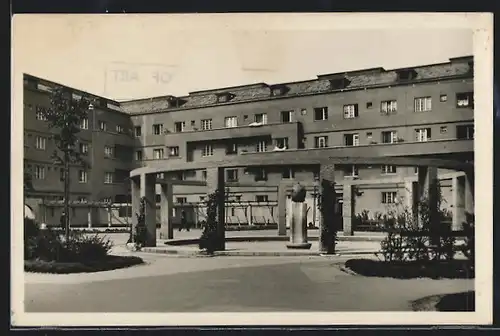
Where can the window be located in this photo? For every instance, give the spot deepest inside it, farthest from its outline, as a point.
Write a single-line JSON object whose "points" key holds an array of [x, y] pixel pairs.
{"points": [[282, 143], [202, 198], [106, 200], [369, 135], [389, 107], [181, 200], [303, 112], [138, 131], [109, 151], [388, 197], [415, 170], [138, 155], [103, 126], [369, 105], [204, 175], [84, 123], [321, 142], [157, 129], [261, 198], [422, 134], [173, 151], [288, 173], [465, 132], [232, 149], [443, 98], [423, 104], [82, 199], [208, 150], [206, 124], [350, 111], [261, 174], [352, 171], [39, 172], [108, 177], [351, 139], [119, 129], [84, 148], [389, 137], [82, 176], [230, 122], [262, 146], [40, 113], [40, 142], [443, 129], [261, 118], [465, 99], [286, 116], [388, 169], [158, 153], [232, 175], [320, 113], [179, 126], [160, 176]]}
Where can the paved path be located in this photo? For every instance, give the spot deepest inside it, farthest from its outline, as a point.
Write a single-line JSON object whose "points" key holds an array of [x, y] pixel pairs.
{"points": [[231, 284]]}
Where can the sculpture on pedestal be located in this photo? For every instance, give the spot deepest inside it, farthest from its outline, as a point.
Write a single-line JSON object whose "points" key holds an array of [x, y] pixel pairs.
{"points": [[297, 219]]}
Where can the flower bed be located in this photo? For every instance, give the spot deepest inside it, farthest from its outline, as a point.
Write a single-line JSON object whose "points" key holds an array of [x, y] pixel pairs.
{"points": [[106, 264], [456, 302]]}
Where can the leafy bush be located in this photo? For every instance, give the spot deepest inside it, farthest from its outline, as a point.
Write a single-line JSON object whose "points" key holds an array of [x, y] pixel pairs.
{"points": [[31, 228], [469, 229], [209, 240], [46, 245], [86, 248], [141, 232]]}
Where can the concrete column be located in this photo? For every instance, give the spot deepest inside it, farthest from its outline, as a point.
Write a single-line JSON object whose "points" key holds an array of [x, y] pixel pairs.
{"points": [[298, 226], [348, 207], [148, 190], [136, 200], [249, 215], [327, 226], [429, 189], [469, 192], [89, 218], [458, 198], [282, 204], [166, 207], [216, 182], [110, 218]]}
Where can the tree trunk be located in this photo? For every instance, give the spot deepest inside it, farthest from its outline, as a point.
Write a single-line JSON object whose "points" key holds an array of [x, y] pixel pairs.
{"points": [[66, 195]]}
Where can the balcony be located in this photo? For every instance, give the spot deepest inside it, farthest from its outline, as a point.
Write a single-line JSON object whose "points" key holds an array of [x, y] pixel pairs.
{"points": [[277, 130]]}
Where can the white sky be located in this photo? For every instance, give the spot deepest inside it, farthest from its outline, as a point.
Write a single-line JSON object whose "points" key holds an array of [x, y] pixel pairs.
{"points": [[86, 51]]}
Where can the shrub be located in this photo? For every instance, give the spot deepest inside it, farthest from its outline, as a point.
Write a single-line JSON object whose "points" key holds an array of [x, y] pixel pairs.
{"points": [[87, 248], [31, 228], [46, 245], [468, 248], [141, 232], [209, 240]]}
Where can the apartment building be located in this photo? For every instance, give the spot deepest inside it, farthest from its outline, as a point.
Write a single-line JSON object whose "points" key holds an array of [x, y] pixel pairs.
{"points": [[432, 105]]}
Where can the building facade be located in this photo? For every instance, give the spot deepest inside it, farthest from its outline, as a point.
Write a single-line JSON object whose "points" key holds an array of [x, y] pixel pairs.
{"points": [[366, 109]]}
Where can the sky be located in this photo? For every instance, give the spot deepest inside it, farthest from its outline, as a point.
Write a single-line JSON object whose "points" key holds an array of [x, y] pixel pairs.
{"points": [[138, 56]]}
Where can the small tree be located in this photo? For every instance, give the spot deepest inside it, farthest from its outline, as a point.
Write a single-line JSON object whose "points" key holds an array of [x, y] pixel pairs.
{"points": [[65, 117]]}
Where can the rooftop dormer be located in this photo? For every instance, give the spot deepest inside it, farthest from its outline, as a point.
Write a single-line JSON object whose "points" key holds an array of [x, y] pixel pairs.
{"points": [[224, 97], [278, 90], [407, 74]]}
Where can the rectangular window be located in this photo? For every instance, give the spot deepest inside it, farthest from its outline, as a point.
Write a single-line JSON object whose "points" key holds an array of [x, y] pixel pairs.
{"points": [[138, 131], [206, 124], [261, 118], [261, 198], [108, 177], [286, 116], [423, 104], [388, 169], [179, 126], [261, 174], [352, 171], [158, 153], [84, 148], [204, 175], [40, 113], [443, 98], [109, 151], [351, 111], [288, 173], [389, 137], [157, 129], [232, 149], [422, 134], [465, 132], [261, 146], [443, 129], [208, 150], [173, 151], [119, 129], [388, 107], [281, 143], [181, 200], [106, 200], [84, 123], [40, 142], [82, 176], [103, 126], [230, 122], [321, 142], [389, 197], [82, 199], [320, 113], [160, 176], [465, 99], [232, 175], [39, 172], [351, 139], [138, 155]]}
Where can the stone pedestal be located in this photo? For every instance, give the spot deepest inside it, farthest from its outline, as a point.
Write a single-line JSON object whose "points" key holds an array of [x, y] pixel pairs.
{"points": [[298, 226]]}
